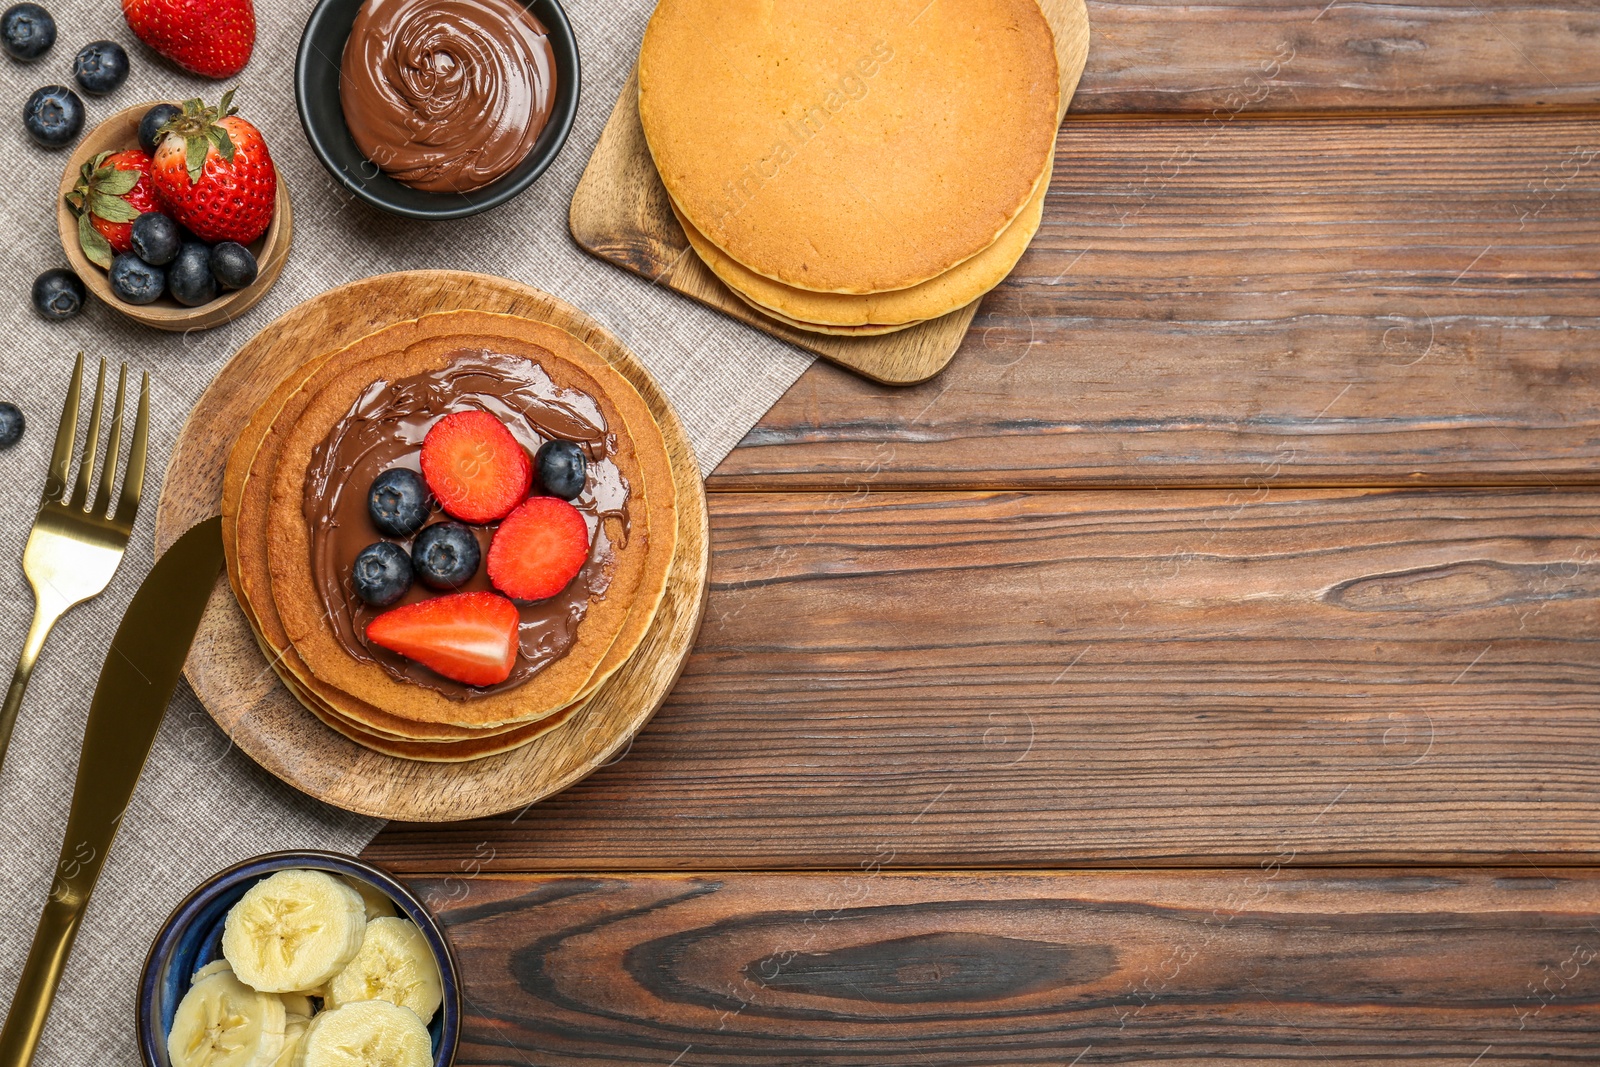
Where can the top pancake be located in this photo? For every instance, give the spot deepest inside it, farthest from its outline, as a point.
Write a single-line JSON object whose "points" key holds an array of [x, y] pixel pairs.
{"points": [[844, 147], [569, 362], [250, 471]]}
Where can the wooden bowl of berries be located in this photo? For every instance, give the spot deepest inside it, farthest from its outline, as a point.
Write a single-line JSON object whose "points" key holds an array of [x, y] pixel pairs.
{"points": [[175, 214]]}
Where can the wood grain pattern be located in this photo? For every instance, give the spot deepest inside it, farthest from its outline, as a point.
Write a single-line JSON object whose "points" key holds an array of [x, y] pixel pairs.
{"points": [[1313, 55], [1271, 302], [1272, 965], [1109, 678], [621, 213], [119, 132], [239, 689], [1272, 292]]}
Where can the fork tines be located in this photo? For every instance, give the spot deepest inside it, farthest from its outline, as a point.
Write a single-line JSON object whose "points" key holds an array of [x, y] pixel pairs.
{"points": [[55, 486]]}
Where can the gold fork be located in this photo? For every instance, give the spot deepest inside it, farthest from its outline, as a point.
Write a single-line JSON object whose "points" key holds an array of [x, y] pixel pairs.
{"points": [[74, 548]]}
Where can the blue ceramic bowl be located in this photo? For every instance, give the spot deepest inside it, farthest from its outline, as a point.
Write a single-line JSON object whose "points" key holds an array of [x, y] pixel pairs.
{"points": [[316, 87], [192, 938]]}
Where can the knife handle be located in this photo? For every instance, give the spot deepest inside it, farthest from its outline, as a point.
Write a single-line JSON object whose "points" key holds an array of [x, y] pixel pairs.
{"points": [[52, 943]]}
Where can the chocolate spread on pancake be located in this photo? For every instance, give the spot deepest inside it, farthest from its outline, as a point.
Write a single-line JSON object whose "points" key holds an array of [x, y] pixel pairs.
{"points": [[385, 428], [446, 95]]}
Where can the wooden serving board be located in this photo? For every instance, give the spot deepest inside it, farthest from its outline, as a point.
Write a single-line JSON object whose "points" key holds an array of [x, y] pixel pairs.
{"points": [[621, 214], [235, 682]]}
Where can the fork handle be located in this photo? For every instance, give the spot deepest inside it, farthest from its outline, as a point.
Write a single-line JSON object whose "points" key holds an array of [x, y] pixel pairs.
{"points": [[44, 619]]}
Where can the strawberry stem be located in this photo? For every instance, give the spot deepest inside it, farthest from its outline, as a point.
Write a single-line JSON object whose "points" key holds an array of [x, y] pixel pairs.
{"points": [[200, 132]]}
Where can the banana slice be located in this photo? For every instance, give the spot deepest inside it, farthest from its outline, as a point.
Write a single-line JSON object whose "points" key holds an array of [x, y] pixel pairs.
{"points": [[222, 1022], [377, 902], [293, 931], [214, 967], [368, 1033], [297, 1004], [395, 964], [293, 1030]]}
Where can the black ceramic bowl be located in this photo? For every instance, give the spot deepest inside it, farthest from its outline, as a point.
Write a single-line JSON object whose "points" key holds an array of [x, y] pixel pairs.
{"points": [[316, 85]]}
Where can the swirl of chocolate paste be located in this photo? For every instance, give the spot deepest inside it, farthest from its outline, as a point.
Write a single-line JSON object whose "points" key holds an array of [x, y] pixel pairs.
{"points": [[446, 95], [385, 428]]}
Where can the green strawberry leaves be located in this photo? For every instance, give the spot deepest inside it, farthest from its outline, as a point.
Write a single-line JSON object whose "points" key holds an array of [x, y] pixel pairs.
{"points": [[198, 126], [114, 182], [96, 247], [99, 193], [195, 161], [219, 137]]}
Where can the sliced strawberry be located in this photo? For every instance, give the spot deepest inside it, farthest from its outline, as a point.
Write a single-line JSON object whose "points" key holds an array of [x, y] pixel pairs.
{"points": [[469, 637], [538, 549], [476, 469]]}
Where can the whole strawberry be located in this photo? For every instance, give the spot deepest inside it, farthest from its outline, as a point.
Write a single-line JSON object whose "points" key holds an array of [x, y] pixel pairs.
{"points": [[212, 38], [212, 173], [113, 189]]}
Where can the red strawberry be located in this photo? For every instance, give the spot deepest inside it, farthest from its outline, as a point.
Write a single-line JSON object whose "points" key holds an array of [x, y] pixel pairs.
{"points": [[212, 173], [476, 469], [212, 38], [538, 549], [470, 637], [113, 189]]}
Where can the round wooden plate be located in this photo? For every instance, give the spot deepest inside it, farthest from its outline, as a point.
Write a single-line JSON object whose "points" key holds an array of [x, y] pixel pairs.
{"points": [[232, 677]]}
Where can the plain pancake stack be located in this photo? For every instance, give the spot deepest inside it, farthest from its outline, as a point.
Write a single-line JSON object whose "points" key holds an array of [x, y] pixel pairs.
{"points": [[266, 535], [852, 168]]}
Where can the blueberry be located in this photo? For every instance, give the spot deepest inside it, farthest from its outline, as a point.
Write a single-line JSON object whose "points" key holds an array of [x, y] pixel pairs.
{"points": [[445, 555], [398, 502], [11, 424], [381, 574], [28, 31], [232, 264], [100, 67], [58, 294], [153, 120], [189, 279], [156, 238], [134, 281], [561, 468], [53, 116]]}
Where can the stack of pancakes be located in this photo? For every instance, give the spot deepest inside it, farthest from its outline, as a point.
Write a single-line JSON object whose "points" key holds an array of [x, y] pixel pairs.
{"points": [[265, 532], [850, 168]]}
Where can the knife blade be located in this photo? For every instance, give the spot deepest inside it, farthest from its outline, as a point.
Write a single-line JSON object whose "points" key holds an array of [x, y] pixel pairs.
{"points": [[140, 672]]}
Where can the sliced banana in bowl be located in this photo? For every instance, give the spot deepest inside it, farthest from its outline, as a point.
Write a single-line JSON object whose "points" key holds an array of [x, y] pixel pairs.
{"points": [[368, 1033], [395, 964], [377, 901], [298, 1004], [293, 1030], [224, 1023], [293, 931], [300, 960]]}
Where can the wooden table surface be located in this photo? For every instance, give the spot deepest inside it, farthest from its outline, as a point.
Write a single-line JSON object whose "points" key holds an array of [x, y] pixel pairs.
{"points": [[1203, 667]]}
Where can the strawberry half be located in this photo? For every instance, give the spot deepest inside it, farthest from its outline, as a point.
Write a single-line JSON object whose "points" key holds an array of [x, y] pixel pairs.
{"points": [[113, 189], [471, 638], [476, 469], [212, 172], [538, 549], [212, 38]]}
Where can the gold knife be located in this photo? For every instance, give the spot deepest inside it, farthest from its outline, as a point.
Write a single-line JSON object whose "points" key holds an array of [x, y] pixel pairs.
{"points": [[140, 673]]}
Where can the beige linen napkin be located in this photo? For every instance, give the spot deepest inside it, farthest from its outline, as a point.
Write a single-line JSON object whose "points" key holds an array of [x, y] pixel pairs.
{"points": [[202, 805]]}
